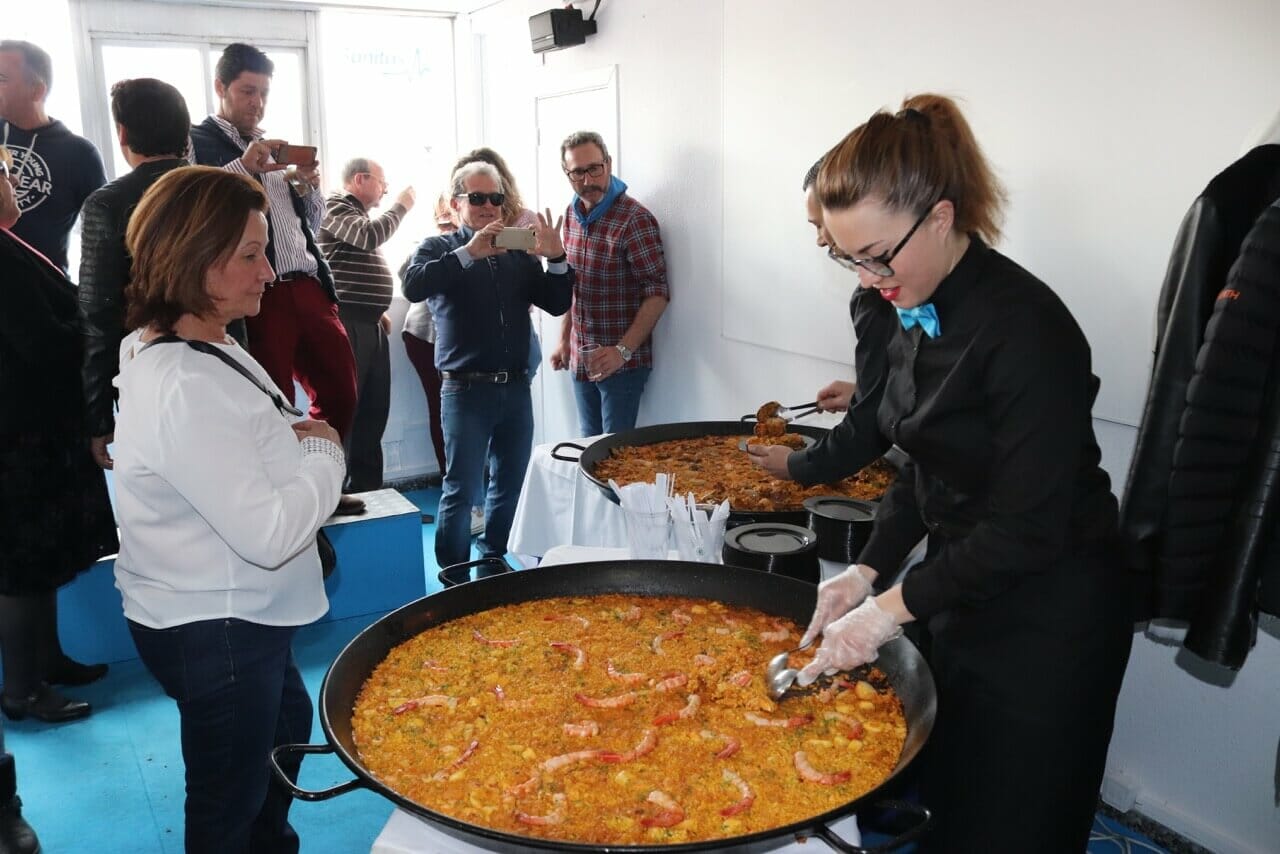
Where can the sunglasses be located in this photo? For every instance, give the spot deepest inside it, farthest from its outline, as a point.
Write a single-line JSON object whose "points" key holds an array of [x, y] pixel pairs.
{"points": [[478, 199]]}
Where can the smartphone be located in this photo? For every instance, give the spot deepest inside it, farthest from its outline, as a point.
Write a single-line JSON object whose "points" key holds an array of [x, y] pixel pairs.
{"points": [[515, 238], [296, 155]]}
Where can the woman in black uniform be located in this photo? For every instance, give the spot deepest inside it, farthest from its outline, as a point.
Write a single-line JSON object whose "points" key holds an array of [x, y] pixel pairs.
{"points": [[989, 390]]}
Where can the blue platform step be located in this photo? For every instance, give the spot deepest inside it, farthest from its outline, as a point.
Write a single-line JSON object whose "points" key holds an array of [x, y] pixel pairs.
{"points": [[380, 567]]}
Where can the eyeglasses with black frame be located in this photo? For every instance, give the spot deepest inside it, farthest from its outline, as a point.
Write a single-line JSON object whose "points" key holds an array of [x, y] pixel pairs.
{"points": [[478, 199], [595, 170], [879, 265]]}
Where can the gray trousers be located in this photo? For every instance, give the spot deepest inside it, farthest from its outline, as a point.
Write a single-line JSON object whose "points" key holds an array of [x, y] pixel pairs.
{"points": [[373, 399]]}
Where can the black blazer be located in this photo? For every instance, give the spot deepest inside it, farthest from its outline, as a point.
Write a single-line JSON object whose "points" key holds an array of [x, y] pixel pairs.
{"points": [[104, 273], [40, 345]]}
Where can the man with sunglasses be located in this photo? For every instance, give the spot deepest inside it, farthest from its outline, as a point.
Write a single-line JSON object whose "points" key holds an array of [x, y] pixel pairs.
{"points": [[479, 295], [349, 239], [615, 248]]}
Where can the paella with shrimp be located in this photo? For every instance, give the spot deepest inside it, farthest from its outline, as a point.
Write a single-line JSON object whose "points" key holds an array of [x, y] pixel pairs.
{"points": [[619, 719]]}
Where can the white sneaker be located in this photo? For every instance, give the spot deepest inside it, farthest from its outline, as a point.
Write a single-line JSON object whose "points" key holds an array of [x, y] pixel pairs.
{"points": [[477, 521]]}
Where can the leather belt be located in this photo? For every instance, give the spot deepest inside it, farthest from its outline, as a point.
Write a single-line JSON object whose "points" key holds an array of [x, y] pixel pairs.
{"points": [[480, 377], [291, 276]]}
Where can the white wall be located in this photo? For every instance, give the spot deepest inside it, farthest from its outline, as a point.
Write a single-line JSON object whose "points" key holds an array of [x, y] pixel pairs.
{"points": [[1094, 210]]}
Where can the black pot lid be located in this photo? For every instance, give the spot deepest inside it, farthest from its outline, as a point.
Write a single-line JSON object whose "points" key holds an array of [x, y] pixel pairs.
{"points": [[770, 538], [841, 508]]}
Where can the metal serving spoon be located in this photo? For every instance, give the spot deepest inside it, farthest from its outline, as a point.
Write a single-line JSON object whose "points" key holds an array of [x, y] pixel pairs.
{"points": [[778, 677]]}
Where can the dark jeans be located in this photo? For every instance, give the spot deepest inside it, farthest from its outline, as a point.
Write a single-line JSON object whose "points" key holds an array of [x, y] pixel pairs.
{"points": [[482, 420], [239, 695], [373, 399], [610, 405]]}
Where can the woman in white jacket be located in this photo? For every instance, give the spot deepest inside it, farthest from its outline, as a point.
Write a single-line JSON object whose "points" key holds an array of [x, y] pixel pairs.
{"points": [[219, 500]]}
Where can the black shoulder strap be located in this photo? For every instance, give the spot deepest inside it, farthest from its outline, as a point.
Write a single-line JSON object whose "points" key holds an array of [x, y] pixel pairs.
{"points": [[208, 349]]}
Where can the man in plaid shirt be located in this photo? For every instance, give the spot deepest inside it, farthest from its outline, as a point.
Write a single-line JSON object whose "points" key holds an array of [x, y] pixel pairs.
{"points": [[615, 249]]}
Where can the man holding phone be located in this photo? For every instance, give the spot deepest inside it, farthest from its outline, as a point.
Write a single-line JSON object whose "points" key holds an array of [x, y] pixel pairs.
{"points": [[297, 334], [479, 294]]}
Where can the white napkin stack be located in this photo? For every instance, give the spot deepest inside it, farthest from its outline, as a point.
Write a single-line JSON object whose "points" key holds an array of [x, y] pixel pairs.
{"points": [[698, 537]]}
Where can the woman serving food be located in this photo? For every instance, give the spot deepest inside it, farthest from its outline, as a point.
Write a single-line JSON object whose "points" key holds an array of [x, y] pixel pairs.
{"points": [[989, 390]]}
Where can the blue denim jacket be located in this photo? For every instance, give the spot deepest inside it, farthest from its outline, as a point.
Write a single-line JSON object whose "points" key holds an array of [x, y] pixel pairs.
{"points": [[481, 307]]}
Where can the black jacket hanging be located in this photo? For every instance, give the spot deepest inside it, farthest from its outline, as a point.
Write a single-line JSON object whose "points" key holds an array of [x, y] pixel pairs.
{"points": [[1207, 244], [1224, 487]]}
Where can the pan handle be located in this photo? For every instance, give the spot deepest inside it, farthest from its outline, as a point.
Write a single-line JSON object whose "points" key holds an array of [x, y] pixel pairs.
{"points": [[460, 573], [564, 459], [922, 818], [308, 794]]}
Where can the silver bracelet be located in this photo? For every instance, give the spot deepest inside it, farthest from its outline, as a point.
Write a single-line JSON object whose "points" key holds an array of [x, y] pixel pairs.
{"points": [[316, 445]]}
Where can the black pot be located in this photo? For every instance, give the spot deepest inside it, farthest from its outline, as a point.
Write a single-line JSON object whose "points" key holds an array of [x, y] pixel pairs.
{"points": [[901, 662], [775, 547], [843, 525]]}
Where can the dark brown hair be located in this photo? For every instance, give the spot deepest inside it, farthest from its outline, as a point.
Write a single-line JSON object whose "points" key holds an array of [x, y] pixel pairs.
{"points": [[154, 116], [514, 205], [912, 159], [188, 223]]}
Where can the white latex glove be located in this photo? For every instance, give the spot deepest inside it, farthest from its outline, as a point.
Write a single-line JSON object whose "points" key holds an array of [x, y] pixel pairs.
{"points": [[836, 597], [851, 641]]}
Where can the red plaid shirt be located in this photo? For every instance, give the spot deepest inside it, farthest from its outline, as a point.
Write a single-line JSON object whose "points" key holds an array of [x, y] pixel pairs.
{"points": [[618, 263]]}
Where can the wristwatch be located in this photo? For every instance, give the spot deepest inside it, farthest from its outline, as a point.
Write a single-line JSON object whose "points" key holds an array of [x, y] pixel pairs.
{"points": [[625, 351]]}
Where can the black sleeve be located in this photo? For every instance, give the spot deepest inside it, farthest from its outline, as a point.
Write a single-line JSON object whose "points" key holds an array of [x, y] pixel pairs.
{"points": [[551, 292], [104, 271], [431, 269], [898, 526], [855, 441]]}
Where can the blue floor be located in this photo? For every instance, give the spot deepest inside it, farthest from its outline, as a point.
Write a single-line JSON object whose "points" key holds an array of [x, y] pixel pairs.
{"points": [[113, 784]]}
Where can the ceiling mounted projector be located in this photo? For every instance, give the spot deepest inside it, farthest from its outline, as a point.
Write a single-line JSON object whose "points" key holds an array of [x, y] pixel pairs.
{"points": [[560, 28]]}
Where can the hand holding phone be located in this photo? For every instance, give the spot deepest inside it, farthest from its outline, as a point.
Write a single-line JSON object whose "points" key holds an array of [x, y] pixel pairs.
{"points": [[515, 238], [295, 155]]}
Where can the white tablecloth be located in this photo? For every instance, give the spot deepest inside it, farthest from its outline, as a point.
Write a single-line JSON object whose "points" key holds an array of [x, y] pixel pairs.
{"points": [[559, 506]]}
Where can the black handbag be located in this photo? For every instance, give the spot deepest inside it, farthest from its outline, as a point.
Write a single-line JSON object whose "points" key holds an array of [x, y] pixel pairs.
{"points": [[328, 554]]}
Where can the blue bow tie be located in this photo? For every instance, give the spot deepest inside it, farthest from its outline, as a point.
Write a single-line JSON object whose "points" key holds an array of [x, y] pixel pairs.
{"points": [[924, 315]]}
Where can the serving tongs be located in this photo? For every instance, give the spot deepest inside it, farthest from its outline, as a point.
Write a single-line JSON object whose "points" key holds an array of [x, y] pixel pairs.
{"points": [[787, 413]]}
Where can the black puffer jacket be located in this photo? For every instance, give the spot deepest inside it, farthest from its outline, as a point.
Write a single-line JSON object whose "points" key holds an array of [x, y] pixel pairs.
{"points": [[1206, 246], [1224, 488], [104, 272]]}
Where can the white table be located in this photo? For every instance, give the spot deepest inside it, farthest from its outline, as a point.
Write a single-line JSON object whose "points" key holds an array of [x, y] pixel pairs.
{"points": [[559, 506]]}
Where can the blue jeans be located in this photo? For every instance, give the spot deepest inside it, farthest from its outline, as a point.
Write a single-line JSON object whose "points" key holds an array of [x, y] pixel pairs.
{"points": [[611, 405], [481, 421], [239, 695]]}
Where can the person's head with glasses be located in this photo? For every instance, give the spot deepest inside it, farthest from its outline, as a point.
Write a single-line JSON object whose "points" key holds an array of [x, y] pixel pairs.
{"points": [[477, 195], [513, 209], [364, 179], [586, 162], [902, 194]]}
